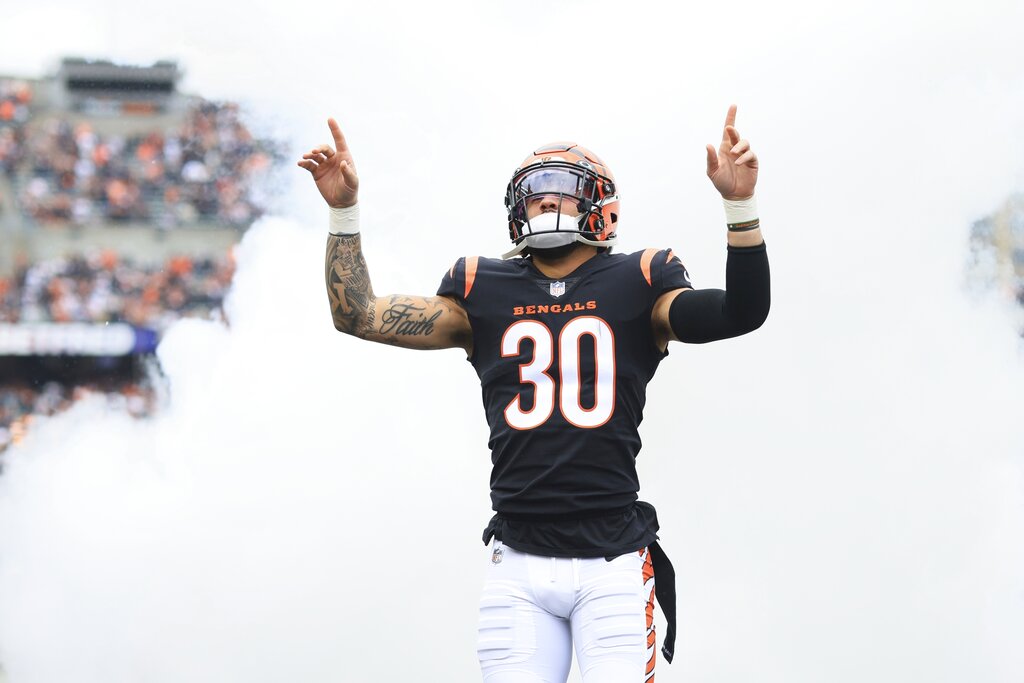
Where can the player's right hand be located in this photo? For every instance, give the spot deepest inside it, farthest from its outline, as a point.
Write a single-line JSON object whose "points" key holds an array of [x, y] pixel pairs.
{"points": [[333, 170]]}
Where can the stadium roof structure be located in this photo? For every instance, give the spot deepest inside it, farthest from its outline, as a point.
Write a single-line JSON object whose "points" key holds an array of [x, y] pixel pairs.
{"points": [[97, 84]]}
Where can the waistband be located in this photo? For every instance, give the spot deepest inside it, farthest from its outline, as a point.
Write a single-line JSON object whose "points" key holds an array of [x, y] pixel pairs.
{"points": [[569, 517]]}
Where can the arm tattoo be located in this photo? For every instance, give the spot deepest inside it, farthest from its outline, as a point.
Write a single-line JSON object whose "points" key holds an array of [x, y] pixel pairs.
{"points": [[404, 321], [402, 317], [348, 285]]}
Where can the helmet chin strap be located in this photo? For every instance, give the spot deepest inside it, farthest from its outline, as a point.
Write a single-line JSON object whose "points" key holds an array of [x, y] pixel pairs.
{"points": [[555, 253], [550, 240]]}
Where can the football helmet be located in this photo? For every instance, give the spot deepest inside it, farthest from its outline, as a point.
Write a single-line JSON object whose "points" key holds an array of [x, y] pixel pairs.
{"points": [[572, 183]]}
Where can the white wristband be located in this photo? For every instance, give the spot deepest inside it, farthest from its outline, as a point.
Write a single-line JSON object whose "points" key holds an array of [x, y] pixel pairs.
{"points": [[344, 220], [741, 214]]}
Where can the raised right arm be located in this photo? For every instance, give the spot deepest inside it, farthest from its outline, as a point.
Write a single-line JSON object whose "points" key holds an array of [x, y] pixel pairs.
{"points": [[413, 322]]}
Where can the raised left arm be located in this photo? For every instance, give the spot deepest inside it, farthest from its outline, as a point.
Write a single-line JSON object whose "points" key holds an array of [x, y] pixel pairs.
{"points": [[704, 315]]}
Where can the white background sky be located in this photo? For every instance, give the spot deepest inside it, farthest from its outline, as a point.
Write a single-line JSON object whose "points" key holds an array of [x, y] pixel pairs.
{"points": [[841, 492]]}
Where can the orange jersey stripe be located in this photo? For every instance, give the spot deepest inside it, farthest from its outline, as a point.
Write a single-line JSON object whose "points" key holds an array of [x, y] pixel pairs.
{"points": [[645, 264], [471, 262]]}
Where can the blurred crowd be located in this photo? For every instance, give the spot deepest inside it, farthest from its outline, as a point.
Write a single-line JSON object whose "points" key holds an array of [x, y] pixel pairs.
{"points": [[105, 287], [98, 288], [15, 98], [205, 170], [208, 167], [21, 404]]}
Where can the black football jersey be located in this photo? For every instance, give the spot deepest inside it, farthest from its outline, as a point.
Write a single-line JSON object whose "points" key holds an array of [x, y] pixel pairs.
{"points": [[564, 366]]}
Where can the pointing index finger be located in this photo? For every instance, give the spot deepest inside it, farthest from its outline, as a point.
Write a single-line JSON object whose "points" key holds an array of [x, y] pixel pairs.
{"points": [[730, 120], [339, 137]]}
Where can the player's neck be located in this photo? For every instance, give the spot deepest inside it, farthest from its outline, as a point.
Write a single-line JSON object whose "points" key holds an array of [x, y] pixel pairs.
{"points": [[557, 268]]}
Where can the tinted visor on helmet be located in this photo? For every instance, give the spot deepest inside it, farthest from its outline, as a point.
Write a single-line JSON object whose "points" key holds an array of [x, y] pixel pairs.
{"points": [[550, 181], [572, 189]]}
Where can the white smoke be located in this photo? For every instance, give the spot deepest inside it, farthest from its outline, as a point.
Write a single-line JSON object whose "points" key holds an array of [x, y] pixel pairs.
{"points": [[841, 492]]}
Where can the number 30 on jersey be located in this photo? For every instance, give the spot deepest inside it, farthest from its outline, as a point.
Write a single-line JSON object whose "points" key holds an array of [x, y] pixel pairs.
{"points": [[536, 371]]}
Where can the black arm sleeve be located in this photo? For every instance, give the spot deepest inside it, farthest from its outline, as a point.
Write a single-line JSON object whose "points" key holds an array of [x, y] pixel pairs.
{"points": [[703, 315]]}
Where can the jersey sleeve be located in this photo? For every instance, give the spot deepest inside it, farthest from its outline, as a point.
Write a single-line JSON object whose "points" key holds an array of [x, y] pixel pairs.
{"points": [[673, 273], [663, 271], [459, 280], [453, 281]]}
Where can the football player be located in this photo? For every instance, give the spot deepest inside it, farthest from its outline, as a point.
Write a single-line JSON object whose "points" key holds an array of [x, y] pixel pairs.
{"points": [[564, 334]]}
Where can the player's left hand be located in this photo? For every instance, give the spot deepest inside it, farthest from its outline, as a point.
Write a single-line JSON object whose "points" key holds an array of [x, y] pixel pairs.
{"points": [[733, 168]]}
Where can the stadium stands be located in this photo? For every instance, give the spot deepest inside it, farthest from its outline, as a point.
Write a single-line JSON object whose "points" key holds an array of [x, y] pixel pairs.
{"points": [[103, 288], [120, 200], [66, 172]]}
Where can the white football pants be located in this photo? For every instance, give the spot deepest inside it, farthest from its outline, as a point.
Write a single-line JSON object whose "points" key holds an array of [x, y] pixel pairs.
{"points": [[534, 609]]}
